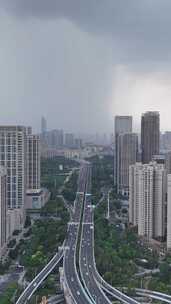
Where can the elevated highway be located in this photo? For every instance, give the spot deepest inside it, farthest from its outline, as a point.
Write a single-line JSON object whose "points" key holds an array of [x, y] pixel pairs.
{"points": [[89, 287]]}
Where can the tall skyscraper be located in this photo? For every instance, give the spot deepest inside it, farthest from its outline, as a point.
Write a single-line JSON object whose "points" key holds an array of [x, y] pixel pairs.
{"points": [[43, 125], [69, 140], [123, 124], [147, 199], [13, 156], [3, 209], [33, 162], [78, 143], [60, 138], [150, 135], [55, 139], [127, 155]]}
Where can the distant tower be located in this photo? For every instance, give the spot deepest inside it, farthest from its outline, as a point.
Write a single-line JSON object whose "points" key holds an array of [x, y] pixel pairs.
{"points": [[123, 124], [127, 156], [43, 125], [150, 135], [69, 140]]}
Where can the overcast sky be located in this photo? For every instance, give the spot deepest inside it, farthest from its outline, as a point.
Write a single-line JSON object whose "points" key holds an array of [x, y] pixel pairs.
{"points": [[80, 62]]}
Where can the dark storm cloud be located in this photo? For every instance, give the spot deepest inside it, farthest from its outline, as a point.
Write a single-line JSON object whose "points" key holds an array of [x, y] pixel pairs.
{"points": [[140, 27], [79, 62]]}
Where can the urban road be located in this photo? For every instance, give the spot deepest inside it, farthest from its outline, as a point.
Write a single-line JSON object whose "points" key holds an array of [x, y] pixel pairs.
{"points": [[86, 261], [76, 292], [89, 287], [68, 250]]}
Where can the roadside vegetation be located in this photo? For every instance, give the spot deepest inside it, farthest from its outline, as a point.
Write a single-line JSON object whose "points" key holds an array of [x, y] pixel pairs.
{"points": [[70, 188], [9, 294], [121, 256], [118, 251], [41, 240], [50, 230], [54, 172], [102, 175], [47, 234]]}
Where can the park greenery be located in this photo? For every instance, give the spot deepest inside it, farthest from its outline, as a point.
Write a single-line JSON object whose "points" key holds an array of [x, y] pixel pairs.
{"points": [[47, 234], [49, 231], [41, 240], [51, 167], [53, 175], [9, 294], [70, 188], [119, 252], [102, 175]]}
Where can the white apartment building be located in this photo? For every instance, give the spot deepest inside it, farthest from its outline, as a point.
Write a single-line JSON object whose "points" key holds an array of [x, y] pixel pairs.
{"points": [[3, 209], [169, 212], [20, 156], [147, 199], [13, 157], [160, 190], [133, 193]]}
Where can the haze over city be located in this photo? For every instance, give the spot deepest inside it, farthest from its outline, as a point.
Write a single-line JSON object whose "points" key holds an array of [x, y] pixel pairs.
{"points": [[82, 62], [85, 151]]}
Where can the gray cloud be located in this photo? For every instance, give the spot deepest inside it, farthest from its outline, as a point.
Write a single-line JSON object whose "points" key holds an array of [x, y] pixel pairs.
{"points": [[141, 28], [79, 62]]}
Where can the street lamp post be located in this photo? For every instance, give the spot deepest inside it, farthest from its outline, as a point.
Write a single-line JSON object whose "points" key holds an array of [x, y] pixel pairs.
{"points": [[108, 205]]}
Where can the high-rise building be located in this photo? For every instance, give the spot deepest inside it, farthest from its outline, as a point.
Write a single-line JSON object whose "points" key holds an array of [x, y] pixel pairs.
{"points": [[147, 186], [78, 143], [3, 209], [43, 125], [60, 138], [123, 124], [55, 139], [134, 193], [169, 212], [13, 156], [69, 140], [165, 141], [33, 162], [168, 162], [150, 135], [127, 155]]}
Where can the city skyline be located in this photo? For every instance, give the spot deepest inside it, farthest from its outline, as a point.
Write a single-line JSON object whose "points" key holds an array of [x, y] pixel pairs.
{"points": [[136, 126], [85, 151]]}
